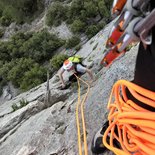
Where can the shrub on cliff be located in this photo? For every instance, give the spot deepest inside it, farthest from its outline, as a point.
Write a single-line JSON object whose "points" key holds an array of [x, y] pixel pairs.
{"points": [[72, 42], [58, 60]]}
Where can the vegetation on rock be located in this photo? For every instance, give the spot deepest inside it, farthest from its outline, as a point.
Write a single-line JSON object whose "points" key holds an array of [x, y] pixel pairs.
{"points": [[19, 11], [23, 56], [58, 60], [81, 15], [56, 14], [72, 42], [22, 102]]}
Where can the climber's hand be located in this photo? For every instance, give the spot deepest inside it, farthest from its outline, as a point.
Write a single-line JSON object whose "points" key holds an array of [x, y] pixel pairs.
{"points": [[63, 85], [91, 82]]}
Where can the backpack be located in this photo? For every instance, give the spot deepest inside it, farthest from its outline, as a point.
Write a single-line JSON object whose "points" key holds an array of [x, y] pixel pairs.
{"points": [[76, 59]]}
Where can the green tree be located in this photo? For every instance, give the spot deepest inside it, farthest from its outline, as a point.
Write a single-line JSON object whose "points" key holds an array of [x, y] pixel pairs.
{"points": [[104, 9], [41, 46], [91, 9], [6, 17], [15, 45], [1, 10], [72, 42], [35, 76], [91, 31], [77, 26], [101, 25], [1, 32], [57, 61], [4, 53], [21, 11], [16, 73], [38, 46], [83, 15], [108, 4], [5, 68], [78, 47], [23, 73], [56, 14], [74, 10]]}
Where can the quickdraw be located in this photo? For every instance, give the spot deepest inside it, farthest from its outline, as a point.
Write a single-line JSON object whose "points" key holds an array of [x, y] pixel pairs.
{"points": [[133, 24]]}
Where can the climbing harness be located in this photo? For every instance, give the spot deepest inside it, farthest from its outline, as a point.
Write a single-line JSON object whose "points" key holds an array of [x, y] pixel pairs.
{"points": [[135, 125], [80, 109]]}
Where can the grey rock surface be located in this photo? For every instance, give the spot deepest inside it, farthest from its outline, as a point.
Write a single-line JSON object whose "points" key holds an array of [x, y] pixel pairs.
{"points": [[34, 130]]}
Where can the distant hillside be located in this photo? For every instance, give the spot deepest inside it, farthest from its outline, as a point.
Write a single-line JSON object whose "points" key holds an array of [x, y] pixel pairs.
{"points": [[19, 11], [83, 16], [31, 36]]}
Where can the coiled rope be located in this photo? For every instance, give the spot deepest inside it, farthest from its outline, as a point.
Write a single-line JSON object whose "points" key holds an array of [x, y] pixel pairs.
{"points": [[81, 105], [135, 125]]}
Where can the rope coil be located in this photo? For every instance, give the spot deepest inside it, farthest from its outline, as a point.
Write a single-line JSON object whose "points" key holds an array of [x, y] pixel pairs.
{"points": [[135, 124]]}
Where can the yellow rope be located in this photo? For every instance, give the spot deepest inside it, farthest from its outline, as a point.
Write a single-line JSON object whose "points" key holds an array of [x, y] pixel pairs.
{"points": [[77, 120], [81, 104]]}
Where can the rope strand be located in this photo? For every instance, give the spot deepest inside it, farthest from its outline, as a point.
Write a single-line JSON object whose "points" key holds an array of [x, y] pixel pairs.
{"points": [[81, 105], [136, 125]]}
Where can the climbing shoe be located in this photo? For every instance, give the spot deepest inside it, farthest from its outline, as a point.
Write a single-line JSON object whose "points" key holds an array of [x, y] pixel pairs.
{"points": [[97, 146]]}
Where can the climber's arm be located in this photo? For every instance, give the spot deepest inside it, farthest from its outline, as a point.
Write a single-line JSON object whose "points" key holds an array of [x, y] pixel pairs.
{"points": [[61, 77], [90, 73]]}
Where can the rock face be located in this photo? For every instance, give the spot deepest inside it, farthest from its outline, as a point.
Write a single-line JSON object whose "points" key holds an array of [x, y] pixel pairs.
{"points": [[8, 93], [38, 130], [62, 31], [38, 24]]}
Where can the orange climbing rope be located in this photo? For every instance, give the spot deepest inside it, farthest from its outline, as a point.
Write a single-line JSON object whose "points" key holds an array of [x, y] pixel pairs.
{"points": [[135, 125], [81, 105]]}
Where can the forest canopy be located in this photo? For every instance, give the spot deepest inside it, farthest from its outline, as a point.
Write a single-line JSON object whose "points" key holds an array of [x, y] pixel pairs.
{"points": [[19, 11]]}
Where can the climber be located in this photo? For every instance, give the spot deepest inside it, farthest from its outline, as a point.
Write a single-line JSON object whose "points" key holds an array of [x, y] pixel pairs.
{"points": [[74, 65], [143, 77]]}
